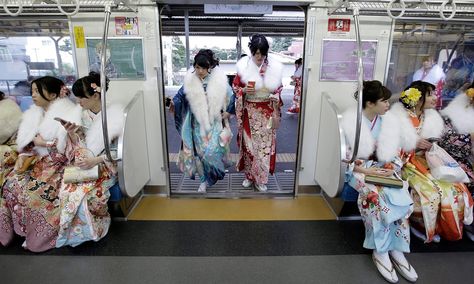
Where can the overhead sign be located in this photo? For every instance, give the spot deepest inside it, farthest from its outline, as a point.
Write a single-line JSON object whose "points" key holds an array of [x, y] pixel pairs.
{"points": [[339, 25], [237, 9]]}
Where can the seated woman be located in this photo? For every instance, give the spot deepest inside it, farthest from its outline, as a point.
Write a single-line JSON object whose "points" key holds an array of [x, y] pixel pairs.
{"points": [[31, 207], [458, 137], [84, 213], [200, 117], [10, 117], [438, 205], [384, 209]]}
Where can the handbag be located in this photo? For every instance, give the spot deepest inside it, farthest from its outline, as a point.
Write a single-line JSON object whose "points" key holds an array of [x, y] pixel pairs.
{"points": [[74, 174], [226, 134], [443, 166]]}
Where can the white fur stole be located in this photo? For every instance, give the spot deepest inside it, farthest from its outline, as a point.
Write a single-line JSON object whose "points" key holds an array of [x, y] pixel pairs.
{"points": [[461, 114], [37, 121], [206, 108], [10, 117], [249, 71], [115, 124]]}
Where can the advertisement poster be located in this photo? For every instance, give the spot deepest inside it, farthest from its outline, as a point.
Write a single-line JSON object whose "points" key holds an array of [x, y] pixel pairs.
{"points": [[340, 62], [126, 25], [124, 57]]}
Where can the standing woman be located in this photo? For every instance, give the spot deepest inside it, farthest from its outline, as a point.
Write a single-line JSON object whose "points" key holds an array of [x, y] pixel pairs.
{"points": [[387, 230], [84, 212], [438, 205], [258, 87], [297, 80], [31, 207], [202, 120], [10, 117], [458, 137]]}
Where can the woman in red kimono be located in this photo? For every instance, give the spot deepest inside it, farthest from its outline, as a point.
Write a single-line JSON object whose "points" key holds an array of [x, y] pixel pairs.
{"points": [[257, 86]]}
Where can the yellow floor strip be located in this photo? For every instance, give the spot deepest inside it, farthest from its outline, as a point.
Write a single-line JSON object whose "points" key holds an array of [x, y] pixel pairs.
{"points": [[302, 208]]}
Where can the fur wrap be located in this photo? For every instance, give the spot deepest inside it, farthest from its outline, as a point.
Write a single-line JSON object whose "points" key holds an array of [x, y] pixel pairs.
{"points": [[10, 117], [249, 71], [37, 121], [115, 124], [206, 105], [461, 114]]}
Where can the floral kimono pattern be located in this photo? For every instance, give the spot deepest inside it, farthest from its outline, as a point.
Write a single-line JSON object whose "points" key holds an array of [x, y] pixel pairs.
{"points": [[256, 138], [438, 206], [459, 146], [295, 106], [8, 156], [84, 213], [31, 202], [384, 210]]}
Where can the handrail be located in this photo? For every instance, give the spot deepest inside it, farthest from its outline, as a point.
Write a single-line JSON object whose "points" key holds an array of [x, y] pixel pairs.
{"points": [[20, 8], [389, 8], [443, 7], [360, 86], [71, 13], [103, 83]]}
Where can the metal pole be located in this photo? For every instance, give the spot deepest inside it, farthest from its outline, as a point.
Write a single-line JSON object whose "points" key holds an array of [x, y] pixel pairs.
{"points": [[103, 84], [239, 41], [186, 32]]}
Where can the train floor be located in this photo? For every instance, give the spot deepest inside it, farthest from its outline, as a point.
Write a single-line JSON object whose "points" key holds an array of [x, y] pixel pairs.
{"points": [[275, 244]]}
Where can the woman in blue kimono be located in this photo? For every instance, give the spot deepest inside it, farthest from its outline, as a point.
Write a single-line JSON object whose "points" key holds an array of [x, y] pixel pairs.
{"points": [[202, 108], [384, 210]]}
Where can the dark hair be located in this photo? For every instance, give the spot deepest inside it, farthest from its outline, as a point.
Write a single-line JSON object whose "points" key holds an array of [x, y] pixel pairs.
{"points": [[2, 95], [243, 55], [206, 59], [82, 87], [258, 42], [50, 84], [423, 87], [373, 91], [299, 61]]}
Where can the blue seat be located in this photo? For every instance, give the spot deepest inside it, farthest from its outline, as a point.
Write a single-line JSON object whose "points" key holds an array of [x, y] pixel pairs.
{"points": [[115, 193], [349, 194]]}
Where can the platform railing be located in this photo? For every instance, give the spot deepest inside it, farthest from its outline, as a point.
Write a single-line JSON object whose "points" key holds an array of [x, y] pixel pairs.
{"points": [[132, 150]]}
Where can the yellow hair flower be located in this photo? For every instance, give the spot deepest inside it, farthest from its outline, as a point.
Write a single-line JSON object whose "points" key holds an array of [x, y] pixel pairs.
{"points": [[410, 97], [470, 93]]}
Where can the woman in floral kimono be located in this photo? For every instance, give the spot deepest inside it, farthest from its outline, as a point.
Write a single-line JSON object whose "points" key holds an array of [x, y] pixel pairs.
{"points": [[297, 80], [458, 137], [438, 205], [258, 87], [31, 207], [84, 213], [201, 119], [384, 209], [10, 117]]}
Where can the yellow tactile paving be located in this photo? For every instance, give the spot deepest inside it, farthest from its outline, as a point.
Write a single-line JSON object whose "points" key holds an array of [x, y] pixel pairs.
{"points": [[302, 208]]}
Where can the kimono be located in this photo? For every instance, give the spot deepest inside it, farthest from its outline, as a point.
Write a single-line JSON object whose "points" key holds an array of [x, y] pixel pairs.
{"points": [[459, 124], [438, 205], [10, 117], [297, 78], [198, 119], [384, 210], [256, 138], [84, 213], [31, 203]]}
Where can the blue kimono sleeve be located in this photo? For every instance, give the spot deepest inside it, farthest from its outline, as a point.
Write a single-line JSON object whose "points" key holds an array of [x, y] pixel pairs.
{"points": [[181, 107], [231, 96]]}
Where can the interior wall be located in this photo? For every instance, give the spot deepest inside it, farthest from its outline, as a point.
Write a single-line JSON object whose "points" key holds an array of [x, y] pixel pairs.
{"points": [[372, 28], [123, 91]]}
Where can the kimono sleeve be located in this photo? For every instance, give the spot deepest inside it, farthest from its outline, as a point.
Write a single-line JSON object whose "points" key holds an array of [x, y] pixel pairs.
{"points": [[231, 97], [180, 108]]}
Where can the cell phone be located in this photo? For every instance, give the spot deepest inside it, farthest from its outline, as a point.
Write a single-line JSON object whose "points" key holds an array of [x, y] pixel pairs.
{"points": [[60, 120]]}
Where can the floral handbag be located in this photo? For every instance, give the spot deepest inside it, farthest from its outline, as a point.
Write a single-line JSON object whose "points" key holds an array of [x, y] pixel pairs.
{"points": [[73, 174]]}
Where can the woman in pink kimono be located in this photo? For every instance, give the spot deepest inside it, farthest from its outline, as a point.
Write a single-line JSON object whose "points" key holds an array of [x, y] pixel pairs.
{"points": [[30, 191], [258, 87], [83, 209]]}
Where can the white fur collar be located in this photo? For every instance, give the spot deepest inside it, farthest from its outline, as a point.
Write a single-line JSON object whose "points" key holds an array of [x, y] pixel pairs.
{"points": [[115, 123], [249, 71], [389, 139], [461, 117], [10, 117], [433, 126], [408, 134], [206, 108], [37, 121]]}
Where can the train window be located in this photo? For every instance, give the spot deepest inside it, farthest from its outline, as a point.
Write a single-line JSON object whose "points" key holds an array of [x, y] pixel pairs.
{"points": [[440, 53]]}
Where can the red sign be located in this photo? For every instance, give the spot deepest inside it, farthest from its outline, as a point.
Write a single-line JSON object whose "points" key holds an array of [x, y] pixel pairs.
{"points": [[339, 25]]}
